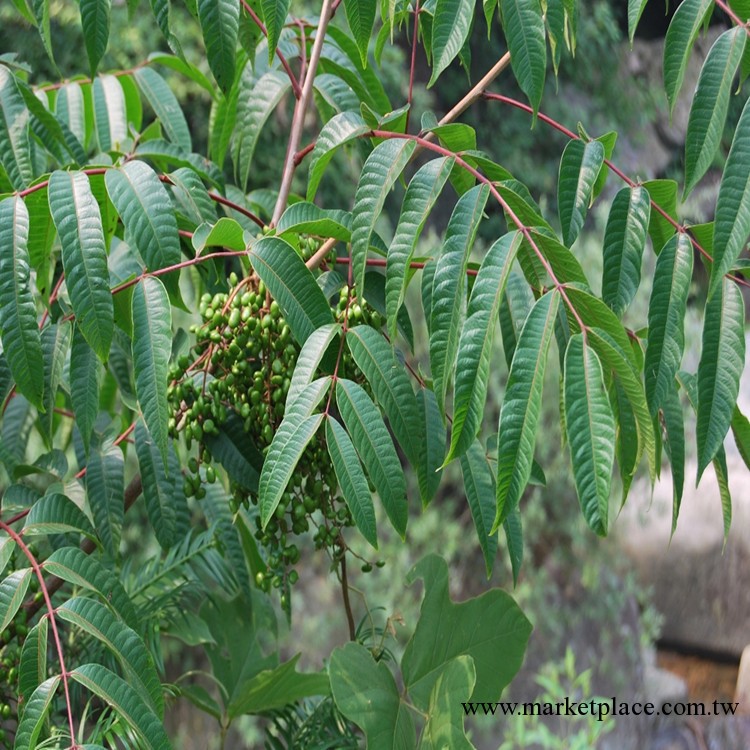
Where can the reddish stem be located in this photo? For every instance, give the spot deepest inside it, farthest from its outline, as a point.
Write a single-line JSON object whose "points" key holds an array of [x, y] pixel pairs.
{"points": [[728, 10]]}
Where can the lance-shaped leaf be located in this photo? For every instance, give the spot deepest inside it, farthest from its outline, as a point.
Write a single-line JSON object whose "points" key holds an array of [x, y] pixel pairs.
{"points": [[666, 318], [380, 172], [635, 11], [110, 113], [22, 343], [12, 591], [70, 108], [115, 692], [165, 105], [390, 386], [292, 285], [341, 129], [579, 167], [514, 309], [523, 25], [480, 493], [590, 427], [15, 144], [448, 302], [681, 35], [35, 713], [675, 445], [514, 539], [86, 374], [423, 191], [521, 409], [309, 359], [32, 668], [152, 344], [451, 24], [274, 15], [105, 486], [741, 432], [375, 447], [732, 223], [57, 514], [307, 218], [708, 113], [366, 693], [475, 346], [352, 480], [76, 215], [663, 193], [361, 16], [95, 18], [432, 448], [125, 644], [624, 240], [220, 23], [162, 12], [55, 345], [720, 369]]}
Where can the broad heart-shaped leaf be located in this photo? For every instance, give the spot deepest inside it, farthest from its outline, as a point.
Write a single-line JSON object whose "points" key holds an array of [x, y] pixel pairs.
{"points": [[165, 105], [421, 194], [352, 480], [635, 11], [35, 713], [105, 486], [311, 355], [22, 343], [127, 646], [681, 35], [285, 451], [720, 369], [95, 19], [432, 448], [86, 374], [75, 566], [292, 285], [380, 172], [32, 668], [523, 26], [519, 415], [590, 427], [445, 712], [75, 212], [57, 514], [663, 193], [480, 493], [12, 591], [449, 288], [451, 24], [361, 16], [666, 318], [340, 129], [708, 113], [152, 344], [274, 15], [490, 628], [624, 240], [15, 143], [148, 215], [390, 386], [220, 23], [366, 693], [475, 345], [125, 701], [732, 223], [375, 447], [579, 168]]}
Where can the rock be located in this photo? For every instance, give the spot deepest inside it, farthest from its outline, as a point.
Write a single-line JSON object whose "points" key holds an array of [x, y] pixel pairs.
{"points": [[661, 686]]}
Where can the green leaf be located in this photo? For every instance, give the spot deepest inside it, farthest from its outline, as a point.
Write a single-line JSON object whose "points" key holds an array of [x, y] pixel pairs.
{"points": [[675, 445], [105, 489], [309, 359], [86, 374], [448, 309], [523, 25], [590, 427], [666, 318], [32, 668], [110, 113], [741, 432], [450, 29], [152, 343], [307, 218], [380, 172], [720, 369], [366, 693], [55, 345], [232, 449], [183, 67], [274, 15], [41, 14], [708, 113], [70, 109], [22, 343], [76, 215], [732, 223], [12, 591], [285, 451], [15, 144], [608, 140], [95, 19], [479, 484], [490, 628], [635, 11], [57, 514], [224, 232], [292, 285], [624, 240], [375, 447], [165, 105], [521, 409], [514, 309], [126, 645], [432, 447], [514, 539], [341, 129], [390, 386], [220, 23], [35, 714], [352, 480], [475, 345], [663, 193], [361, 16], [678, 43], [124, 699], [579, 167], [421, 195], [162, 12]]}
